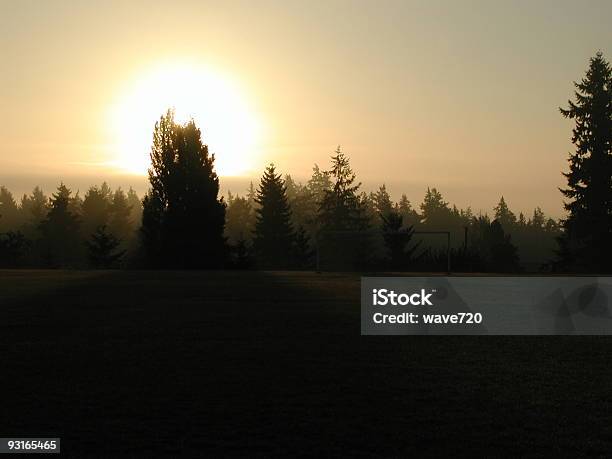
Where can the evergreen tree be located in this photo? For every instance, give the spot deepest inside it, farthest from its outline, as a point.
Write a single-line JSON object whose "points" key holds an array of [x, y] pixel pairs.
{"points": [[240, 219], [35, 206], [119, 224], [183, 216], [60, 232], [75, 204], [382, 201], [504, 215], [340, 208], [304, 201], [586, 244], [103, 249], [396, 239], [13, 247], [502, 254], [318, 185], [493, 246], [33, 210], [410, 217], [9, 212], [135, 205], [302, 250], [273, 237], [242, 254], [343, 237], [252, 196], [302, 204], [95, 209], [538, 219], [435, 212]]}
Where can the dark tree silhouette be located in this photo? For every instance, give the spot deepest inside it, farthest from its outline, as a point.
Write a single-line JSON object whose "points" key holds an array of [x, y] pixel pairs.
{"points": [[343, 222], [273, 237], [396, 239], [242, 254], [95, 209], [502, 256], [13, 248], [504, 215], [340, 207], [135, 205], [103, 249], [493, 246], [435, 211], [60, 231], [9, 213], [119, 216], [239, 218], [303, 253], [34, 209], [381, 201], [586, 244], [410, 217], [183, 216]]}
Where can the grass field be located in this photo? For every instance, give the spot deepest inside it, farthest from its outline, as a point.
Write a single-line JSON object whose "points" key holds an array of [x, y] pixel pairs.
{"points": [[143, 364]]}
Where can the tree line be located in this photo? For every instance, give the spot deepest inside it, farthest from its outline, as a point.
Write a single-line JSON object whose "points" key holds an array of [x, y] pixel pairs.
{"points": [[65, 230], [328, 222]]}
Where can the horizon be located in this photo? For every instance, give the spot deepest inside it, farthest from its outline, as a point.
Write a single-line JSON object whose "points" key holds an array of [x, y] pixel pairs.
{"points": [[415, 192]]}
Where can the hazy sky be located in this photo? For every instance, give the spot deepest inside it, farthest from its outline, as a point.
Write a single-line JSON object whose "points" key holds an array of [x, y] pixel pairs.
{"points": [[461, 95]]}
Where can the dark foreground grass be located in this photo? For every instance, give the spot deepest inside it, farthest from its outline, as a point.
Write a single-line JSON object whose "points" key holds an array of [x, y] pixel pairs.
{"points": [[144, 364]]}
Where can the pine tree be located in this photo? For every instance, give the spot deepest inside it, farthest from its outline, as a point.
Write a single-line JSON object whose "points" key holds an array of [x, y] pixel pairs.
{"points": [[340, 208], [435, 211], [586, 244], [302, 249], [252, 195], [33, 210], [119, 216], [318, 184], [492, 246], [183, 215], [60, 231], [343, 240], [502, 253], [9, 212], [103, 248], [35, 206], [410, 217], [242, 256], [95, 209], [135, 208], [504, 215], [13, 248], [396, 239], [273, 236], [382, 201], [240, 219]]}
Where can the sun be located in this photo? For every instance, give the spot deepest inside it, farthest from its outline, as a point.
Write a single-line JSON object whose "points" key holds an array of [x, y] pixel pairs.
{"points": [[228, 124]]}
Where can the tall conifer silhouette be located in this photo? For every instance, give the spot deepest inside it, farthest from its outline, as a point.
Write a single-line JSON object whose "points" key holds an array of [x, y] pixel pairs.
{"points": [[60, 231], [343, 237], [586, 244], [273, 237], [183, 216]]}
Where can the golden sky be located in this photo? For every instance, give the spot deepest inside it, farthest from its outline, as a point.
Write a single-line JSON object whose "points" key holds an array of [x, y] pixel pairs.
{"points": [[463, 96]]}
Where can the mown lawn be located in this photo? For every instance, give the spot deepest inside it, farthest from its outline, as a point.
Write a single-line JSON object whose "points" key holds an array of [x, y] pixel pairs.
{"points": [[143, 364]]}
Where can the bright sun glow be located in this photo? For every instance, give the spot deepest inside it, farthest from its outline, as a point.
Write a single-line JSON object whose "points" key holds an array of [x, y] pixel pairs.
{"points": [[228, 125]]}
